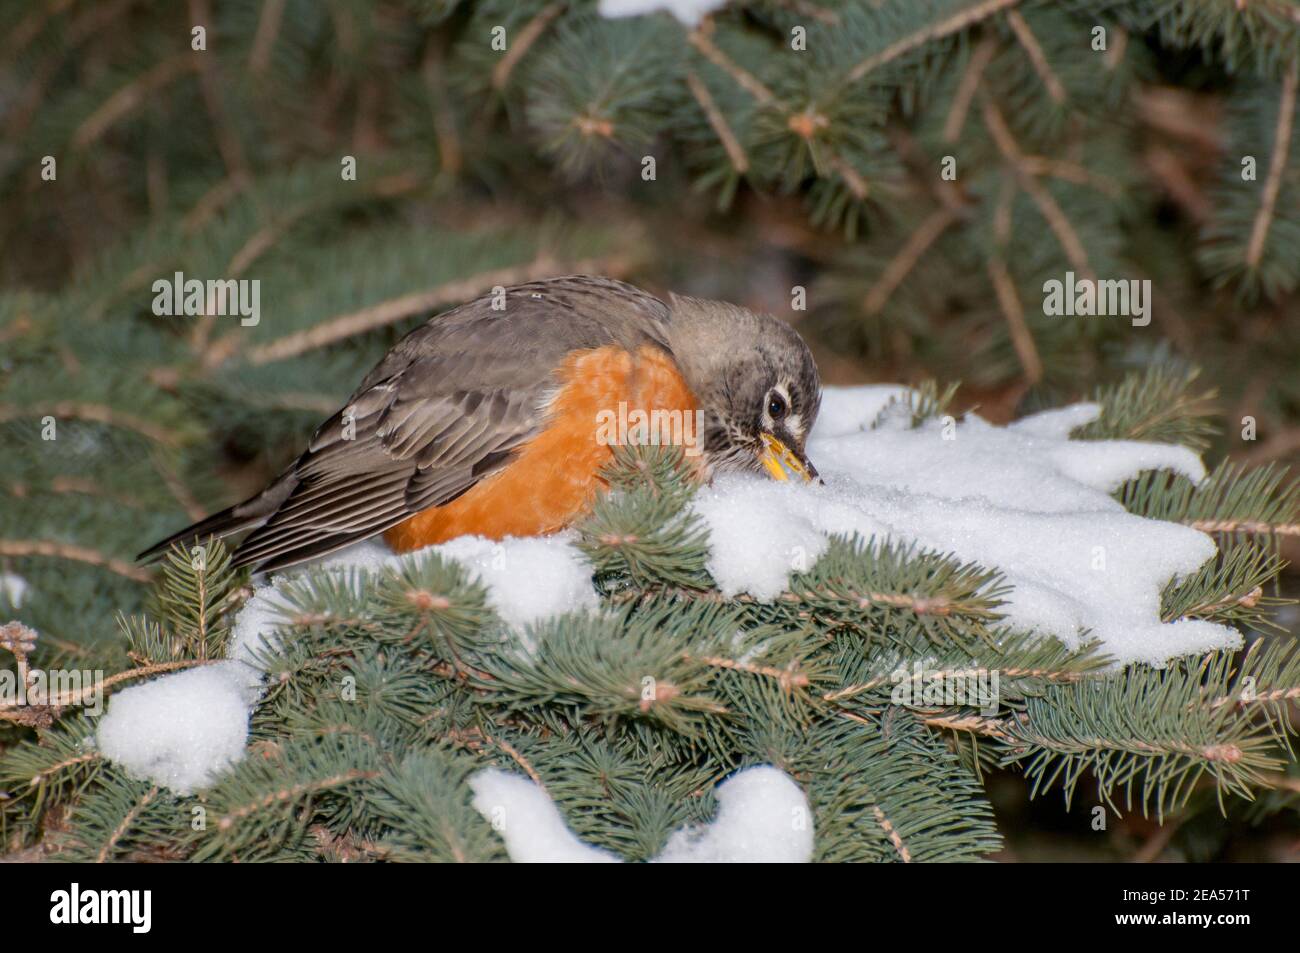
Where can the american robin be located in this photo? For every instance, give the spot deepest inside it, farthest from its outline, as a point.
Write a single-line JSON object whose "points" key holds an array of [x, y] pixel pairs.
{"points": [[495, 419]]}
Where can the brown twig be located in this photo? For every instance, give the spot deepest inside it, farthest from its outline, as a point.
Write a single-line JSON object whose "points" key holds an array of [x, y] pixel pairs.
{"points": [[852, 178], [127, 821], [970, 81], [735, 151], [37, 778], [1071, 172], [1253, 527], [96, 413], [211, 202], [179, 491], [954, 24], [268, 28], [1047, 205], [228, 142], [130, 96], [285, 795], [1277, 166], [894, 837], [523, 41], [79, 697], [1022, 339], [1047, 674], [1025, 37], [940, 606], [807, 9], [1247, 600], [517, 758], [44, 547], [788, 678], [450, 153], [974, 724], [29, 27], [1115, 55], [1282, 444], [925, 235], [699, 38], [1272, 696]]}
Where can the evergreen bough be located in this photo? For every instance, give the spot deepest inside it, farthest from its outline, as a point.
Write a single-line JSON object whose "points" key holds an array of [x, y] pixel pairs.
{"points": [[117, 424], [387, 690]]}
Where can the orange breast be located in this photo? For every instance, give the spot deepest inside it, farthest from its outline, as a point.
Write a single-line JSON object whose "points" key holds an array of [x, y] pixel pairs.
{"points": [[554, 478]]}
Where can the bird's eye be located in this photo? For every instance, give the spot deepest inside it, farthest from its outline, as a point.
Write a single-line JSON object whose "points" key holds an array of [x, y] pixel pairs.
{"points": [[776, 407]]}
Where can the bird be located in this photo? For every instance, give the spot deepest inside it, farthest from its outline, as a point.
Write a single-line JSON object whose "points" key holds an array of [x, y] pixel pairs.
{"points": [[486, 419]]}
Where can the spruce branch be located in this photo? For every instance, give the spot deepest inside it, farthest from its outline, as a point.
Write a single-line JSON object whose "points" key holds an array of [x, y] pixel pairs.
{"points": [[701, 39], [385, 691], [917, 244], [256, 810], [425, 802], [1277, 164], [127, 820], [925, 401], [1231, 501], [1227, 589], [633, 664], [110, 844], [75, 553], [97, 413], [1150, 735], [718, 122], [642, 536], [978, 62], [1025, 37], [1048, 207], [963, 17], [197, 591], [523, 42], [1157, 404], [1005, 288], [131, 96]]}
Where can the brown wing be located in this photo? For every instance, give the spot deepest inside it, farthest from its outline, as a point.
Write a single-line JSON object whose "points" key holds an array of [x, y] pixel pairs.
{"points": [[449, 404]]}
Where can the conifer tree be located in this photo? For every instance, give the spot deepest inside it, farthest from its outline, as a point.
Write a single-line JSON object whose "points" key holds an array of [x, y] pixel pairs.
{"points": [[900, 179]]}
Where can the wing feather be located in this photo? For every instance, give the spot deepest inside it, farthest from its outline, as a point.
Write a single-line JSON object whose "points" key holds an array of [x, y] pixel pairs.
{"points": [[448, 405]]}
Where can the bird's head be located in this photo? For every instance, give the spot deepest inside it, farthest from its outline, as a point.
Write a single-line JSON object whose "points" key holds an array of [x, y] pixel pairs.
{"points": [[756, 382]]}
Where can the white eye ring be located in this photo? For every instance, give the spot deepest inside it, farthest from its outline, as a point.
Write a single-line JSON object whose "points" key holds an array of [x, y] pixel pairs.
{"points": [[780, 394]]}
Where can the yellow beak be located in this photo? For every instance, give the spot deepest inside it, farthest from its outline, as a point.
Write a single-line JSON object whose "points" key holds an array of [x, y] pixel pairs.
{"points": [[779, 460]]}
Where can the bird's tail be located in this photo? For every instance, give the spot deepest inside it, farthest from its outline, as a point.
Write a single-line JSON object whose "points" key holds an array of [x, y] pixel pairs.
{"points": [[252, 512]]}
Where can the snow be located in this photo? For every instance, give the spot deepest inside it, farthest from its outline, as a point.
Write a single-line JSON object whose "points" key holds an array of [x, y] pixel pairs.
{"points": [[847, 410], [528, 580], [690, 12], [529, 822], [763, 817], [13, 589], [180, 730], [252, 636], [1023, 499], [182, 737]]}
